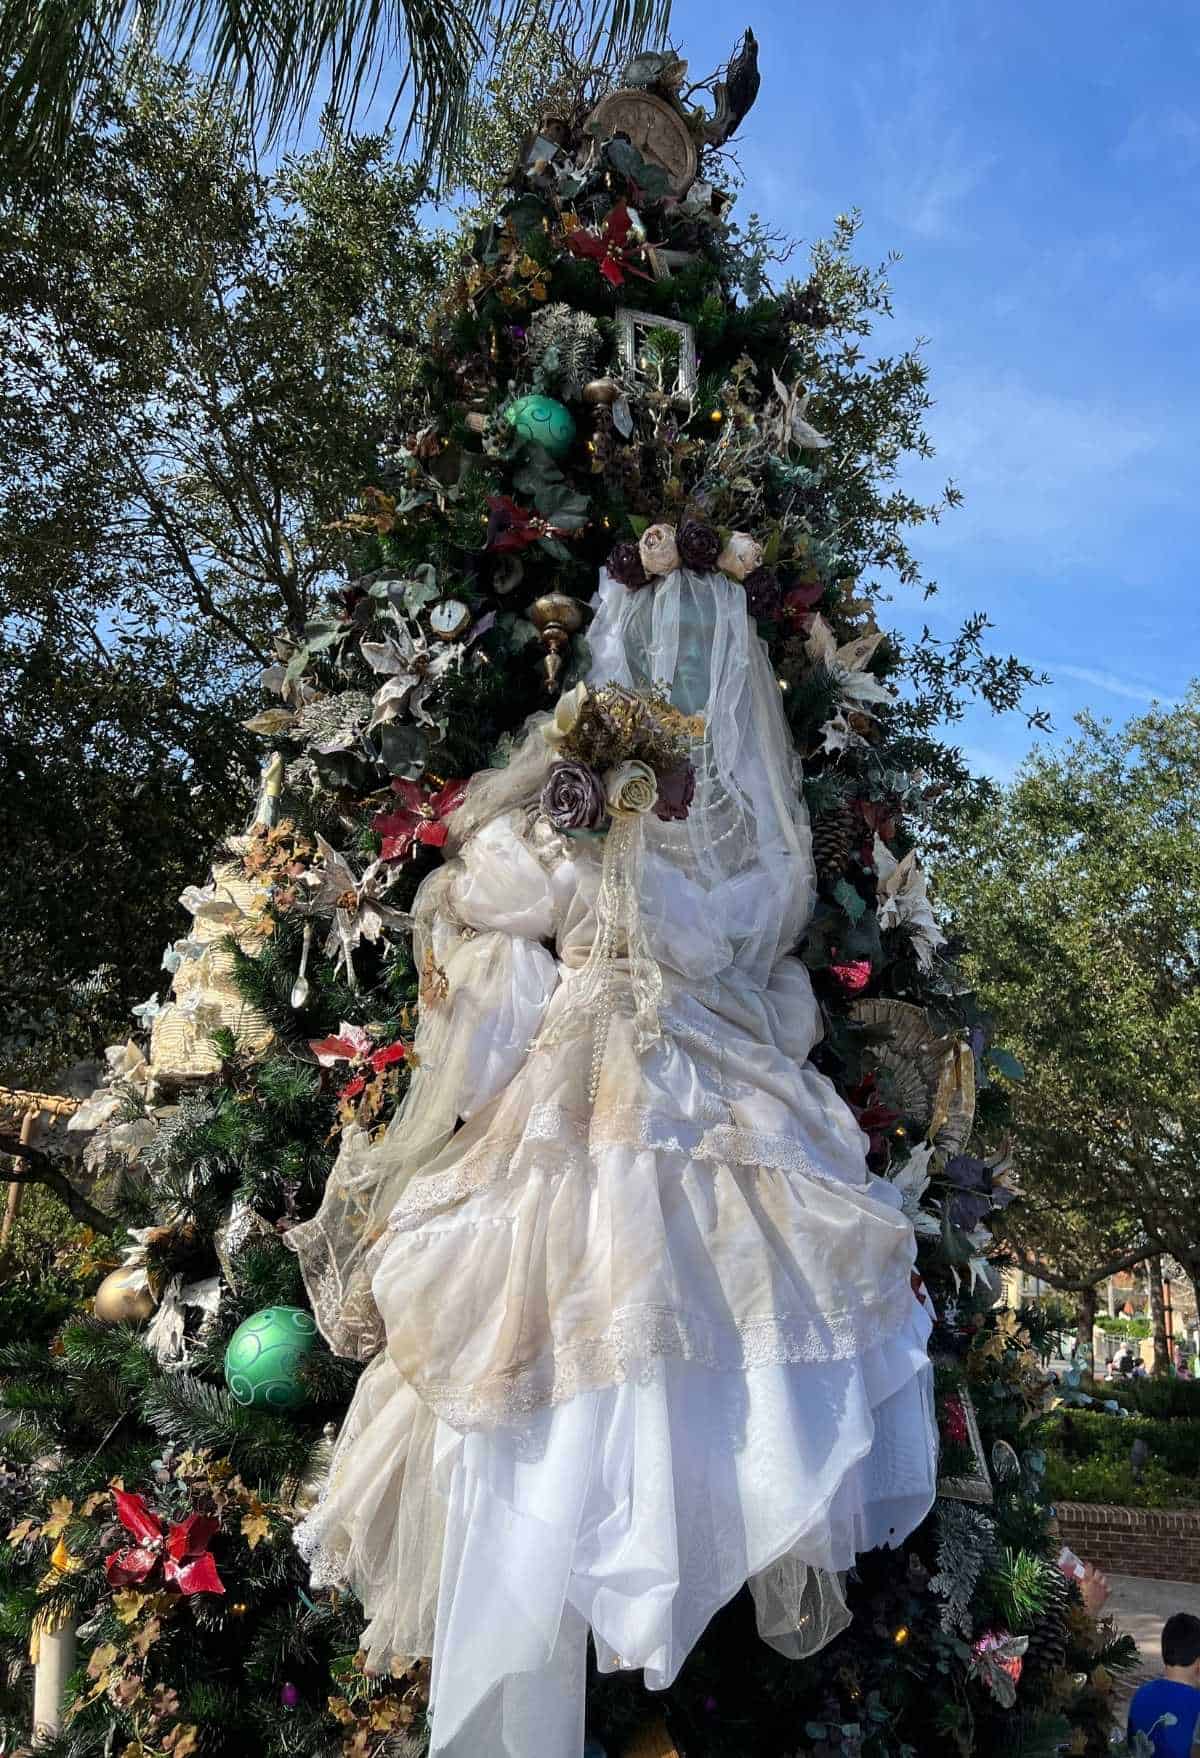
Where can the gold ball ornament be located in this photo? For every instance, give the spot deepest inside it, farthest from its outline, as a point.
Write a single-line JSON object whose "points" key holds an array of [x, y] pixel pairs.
{"points": [[601, 391], [124, 1297]]}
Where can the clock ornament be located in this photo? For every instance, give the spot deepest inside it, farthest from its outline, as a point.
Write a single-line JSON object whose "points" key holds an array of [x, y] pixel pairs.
{"points": [[655, 128], [449, 618]]}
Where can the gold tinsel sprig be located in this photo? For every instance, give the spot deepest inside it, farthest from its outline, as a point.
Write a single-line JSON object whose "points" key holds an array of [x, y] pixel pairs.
{"points": [[616, 725]]}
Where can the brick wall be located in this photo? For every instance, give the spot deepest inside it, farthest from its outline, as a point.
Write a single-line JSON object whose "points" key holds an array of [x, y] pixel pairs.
{"points": [[1161, 1543]]}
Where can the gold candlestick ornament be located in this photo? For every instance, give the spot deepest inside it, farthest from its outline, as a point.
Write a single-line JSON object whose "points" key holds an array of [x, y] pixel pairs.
{"points": [[556, 618]]}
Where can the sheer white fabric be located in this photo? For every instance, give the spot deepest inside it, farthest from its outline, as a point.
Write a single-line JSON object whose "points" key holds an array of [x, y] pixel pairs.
{"points": [[648, 1334]]}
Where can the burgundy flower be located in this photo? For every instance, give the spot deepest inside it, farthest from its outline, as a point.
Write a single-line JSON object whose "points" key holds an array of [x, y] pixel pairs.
{"points": [[625, 566], [764, 600], [800, 600], [698, 545], [573, 797], [676, 791]]}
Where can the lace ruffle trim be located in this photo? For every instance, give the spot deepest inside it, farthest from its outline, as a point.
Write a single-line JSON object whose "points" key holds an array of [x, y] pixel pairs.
{"points": [[578, 1135], [640, 1336]]}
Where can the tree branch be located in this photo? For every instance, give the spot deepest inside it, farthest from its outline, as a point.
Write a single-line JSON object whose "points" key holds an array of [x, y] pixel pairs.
{"points": [[1082, 1280], [42, 1170]]}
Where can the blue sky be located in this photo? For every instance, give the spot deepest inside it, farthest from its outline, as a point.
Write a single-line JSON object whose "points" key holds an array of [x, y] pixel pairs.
{"points": [[1038, 166]]}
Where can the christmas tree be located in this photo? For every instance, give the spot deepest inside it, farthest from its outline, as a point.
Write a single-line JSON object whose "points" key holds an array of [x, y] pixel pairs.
{"points": [[609, 382]]}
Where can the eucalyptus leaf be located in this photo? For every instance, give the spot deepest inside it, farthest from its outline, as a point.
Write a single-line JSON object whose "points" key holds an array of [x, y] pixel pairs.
{"points": [[850, 900], [404, 749]]}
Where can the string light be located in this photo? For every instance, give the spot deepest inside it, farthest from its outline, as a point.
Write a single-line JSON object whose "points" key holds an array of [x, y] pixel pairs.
{"points": [[900, 1636], [716, 415]]}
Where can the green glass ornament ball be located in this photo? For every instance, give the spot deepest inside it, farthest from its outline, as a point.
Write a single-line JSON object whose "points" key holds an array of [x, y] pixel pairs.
{"points": [[544, 420], [262, 1362]]}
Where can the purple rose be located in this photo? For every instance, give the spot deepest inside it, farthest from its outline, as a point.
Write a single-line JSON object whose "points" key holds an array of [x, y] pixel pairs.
{"points": [[573, 797], [698, 545], [676, 791], [764, 600], [625, 566]]}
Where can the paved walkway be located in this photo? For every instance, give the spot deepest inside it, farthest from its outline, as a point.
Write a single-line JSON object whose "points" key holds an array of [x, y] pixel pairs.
{"points": [[1141, 1607]]}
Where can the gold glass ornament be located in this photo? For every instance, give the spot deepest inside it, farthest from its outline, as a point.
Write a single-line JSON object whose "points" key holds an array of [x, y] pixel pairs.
{"points": [[601, 390], [556, 618], [124, 1297]]}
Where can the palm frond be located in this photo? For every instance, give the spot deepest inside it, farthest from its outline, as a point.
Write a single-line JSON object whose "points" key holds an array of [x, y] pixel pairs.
{"points": [[282, 55]]}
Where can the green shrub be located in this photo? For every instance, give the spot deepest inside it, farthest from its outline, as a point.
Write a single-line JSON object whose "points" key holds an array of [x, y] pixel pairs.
{"points": [[1163, 1399], [1133, 1328], [1111, 1481], [1088, 1455]]}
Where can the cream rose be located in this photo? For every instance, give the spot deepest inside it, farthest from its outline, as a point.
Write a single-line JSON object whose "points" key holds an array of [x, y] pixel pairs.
{"points": [[658, 550], [566, 715], [631, 787], [741, 555]]}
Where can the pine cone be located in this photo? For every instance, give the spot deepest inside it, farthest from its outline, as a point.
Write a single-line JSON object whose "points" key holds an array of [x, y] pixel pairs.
{"points": [[835, 836], [1047, 1650]]}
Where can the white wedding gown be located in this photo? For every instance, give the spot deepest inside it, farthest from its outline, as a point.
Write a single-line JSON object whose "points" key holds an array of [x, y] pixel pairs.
{"points": [[638, 1348]]}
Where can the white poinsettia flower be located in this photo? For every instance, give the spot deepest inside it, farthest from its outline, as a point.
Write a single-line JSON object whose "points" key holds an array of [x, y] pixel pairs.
{"points": [[912, 1181], [356, 905], [412, 668], [566, 715], [848, 663], [837, 735], [903, 901]]}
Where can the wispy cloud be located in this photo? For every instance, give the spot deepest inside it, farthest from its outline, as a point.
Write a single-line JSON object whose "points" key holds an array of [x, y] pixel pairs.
{"points": [[1048, 477], [999, 766], [926, 163], [1108, 681], [1168, 137]]}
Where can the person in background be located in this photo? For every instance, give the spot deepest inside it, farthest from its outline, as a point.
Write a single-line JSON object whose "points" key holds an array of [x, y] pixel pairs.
{"points": [[1182, 1371], [1175, 1694], [1139, 1370]]}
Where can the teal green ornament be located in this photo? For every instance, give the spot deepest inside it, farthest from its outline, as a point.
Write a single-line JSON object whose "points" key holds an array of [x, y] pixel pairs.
{"points": [[265, 1353], [544, 420]]}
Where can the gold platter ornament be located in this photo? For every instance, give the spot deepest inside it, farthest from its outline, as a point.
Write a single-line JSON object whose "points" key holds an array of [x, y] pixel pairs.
{"points": [[654, 127], [931, 1074]]}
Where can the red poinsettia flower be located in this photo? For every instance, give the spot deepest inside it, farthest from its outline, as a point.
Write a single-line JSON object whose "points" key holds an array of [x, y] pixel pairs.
{"points": [[607, 246], [419, 819], [376, 1062], [183, 1557], [347, 1044], [513, 527]]}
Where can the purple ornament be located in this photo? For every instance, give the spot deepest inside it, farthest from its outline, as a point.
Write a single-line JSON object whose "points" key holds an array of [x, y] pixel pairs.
{"points": [[710, 1704], [289, 1695]]}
